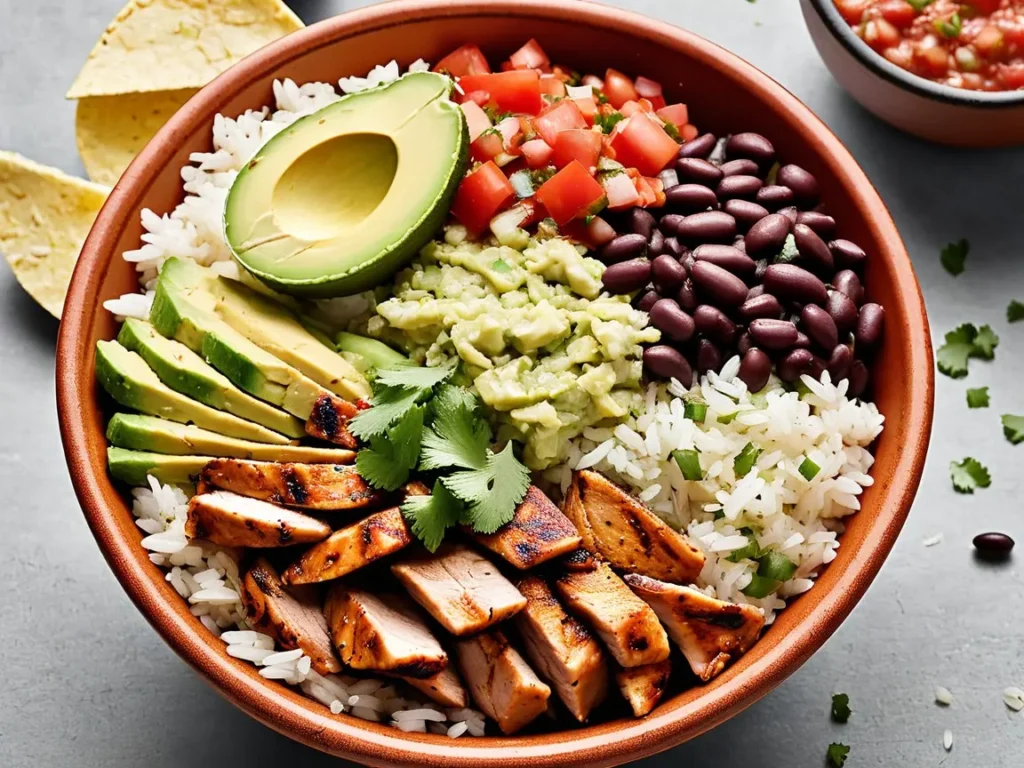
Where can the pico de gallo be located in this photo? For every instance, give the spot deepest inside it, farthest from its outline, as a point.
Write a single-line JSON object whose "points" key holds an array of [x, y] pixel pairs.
{"points": [[550, 144], [977, 45]]}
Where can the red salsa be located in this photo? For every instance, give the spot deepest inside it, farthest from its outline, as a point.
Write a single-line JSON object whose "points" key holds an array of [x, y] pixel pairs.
{"points": [[977, 45]]}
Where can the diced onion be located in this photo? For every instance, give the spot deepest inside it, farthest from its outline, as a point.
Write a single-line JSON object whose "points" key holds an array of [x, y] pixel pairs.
{"points": [[579, 91]]}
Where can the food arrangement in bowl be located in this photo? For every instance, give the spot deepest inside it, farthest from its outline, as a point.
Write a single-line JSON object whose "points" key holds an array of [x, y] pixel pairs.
{"points": [[463, 397]]}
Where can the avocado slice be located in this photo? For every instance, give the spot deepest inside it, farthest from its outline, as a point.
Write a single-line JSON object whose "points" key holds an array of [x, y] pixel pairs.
{"points": [[132, 467], [126, 378], [148, 433], [184, 371], [340, 199], [374, 354], [183, 309]]}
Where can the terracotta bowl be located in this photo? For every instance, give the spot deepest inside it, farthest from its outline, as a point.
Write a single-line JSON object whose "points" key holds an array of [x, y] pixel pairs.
{"points": [[933, 111], [724, 94]]}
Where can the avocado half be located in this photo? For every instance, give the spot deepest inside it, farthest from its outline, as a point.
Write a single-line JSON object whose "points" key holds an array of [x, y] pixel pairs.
{"points": [[339, 200]]}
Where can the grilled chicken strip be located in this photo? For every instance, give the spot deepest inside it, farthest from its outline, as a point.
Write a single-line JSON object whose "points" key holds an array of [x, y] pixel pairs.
{"points": [[329, 420], [383, 633], [580, 561], [710, 632], [463, 591], [350, 548], [561, 649], [445, 688], [644, 686], [537, 533], [627, 534], [308, 486], [624, 622], [294, 619], [500, 681], [237, 521]]}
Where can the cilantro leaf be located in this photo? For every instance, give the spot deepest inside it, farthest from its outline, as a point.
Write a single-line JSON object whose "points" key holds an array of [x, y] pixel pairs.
{"points": [[672, 130], [977, 398], [1013, 428], [389, 459], [607, 122], [954, 255], [1014, 311], [840, 707], [968, 475], [458, 438], [430, 516], [492, 492], [836, 755], [412, 376], [963, 343], [388, 405], [985, 343]]}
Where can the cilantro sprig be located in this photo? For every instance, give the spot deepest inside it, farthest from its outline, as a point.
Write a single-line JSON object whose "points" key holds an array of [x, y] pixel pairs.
{"points": [[968, 475], [954, 255], [977, 398], [1014, 311], [840, 708], [836, 755], [963, 343], [1013, 428]]}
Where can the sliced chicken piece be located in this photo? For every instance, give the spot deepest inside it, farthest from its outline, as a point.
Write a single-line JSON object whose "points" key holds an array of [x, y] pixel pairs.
{"points": [[294, 618], [644, 686], [329, 420], [462, 590], [383, 633], [624, 622], [237, 521], [537, 533], [500, 681], [627, 534], [445, 688], [710, 632], [561, 649], [580, 560], [308, 486], [350, 548]]}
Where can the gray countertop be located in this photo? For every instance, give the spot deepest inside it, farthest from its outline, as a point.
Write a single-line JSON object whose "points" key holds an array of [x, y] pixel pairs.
{"points": [[86, 682]]}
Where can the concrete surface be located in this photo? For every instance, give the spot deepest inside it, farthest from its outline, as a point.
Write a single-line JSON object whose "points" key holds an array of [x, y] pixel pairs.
{"points": [[87, 683]]}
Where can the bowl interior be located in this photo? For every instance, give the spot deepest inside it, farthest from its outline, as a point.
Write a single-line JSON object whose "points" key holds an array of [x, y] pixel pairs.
{"points": [[724, 95]]}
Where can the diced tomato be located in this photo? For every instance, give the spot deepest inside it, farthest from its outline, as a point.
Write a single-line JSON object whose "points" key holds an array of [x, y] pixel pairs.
{"points": [[580, 144], [561, 73], [989, 41], [650, 90], [621, 191], [481, 195], [677, 114], [552, 86], [476, 119], [588, 107], [537, 153], [619, 89], [852, 10], [630, 108], [517, 91], [535, 211], [511, 133], [486, 147], [531, 56], [651, 190], [467, 60], [1011, 76], [986, 7], [688, 132], [561, 116], [644, 145], [593, 235], [480, 98], [899, 13], [571, 193]]}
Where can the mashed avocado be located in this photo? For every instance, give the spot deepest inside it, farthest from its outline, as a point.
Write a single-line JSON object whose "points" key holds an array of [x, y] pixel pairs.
{"points": [[547, 352]]}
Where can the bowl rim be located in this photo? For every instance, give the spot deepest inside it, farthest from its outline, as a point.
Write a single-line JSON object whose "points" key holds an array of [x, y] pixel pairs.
{"points": [[902, 78], [299, 718]]}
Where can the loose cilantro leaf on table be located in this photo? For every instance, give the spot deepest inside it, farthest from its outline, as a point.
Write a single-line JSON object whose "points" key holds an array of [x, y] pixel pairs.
{"points": [[493, 492], [1014, 311], [390, 458], [431, 516], [1013, 428], [954, 255], [962, 344], [977, 398], [985, 344], [840, 707], [968, 475], [836, 755]]}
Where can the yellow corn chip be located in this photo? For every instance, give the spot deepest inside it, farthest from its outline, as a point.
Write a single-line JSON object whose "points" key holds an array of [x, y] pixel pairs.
{"points": [[45, 216]]}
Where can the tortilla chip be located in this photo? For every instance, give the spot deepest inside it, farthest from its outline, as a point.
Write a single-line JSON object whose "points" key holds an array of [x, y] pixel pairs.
{"points": [[110, 130], [44, 218], [171, 45]]}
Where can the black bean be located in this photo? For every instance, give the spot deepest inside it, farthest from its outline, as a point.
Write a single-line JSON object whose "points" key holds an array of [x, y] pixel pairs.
{"points": [[740, 168], [839, 362], [744, 343], [668, 274], [813, 251], [818, 324], [641, 222], [847, 255], [699, 147], [746, 213], [803, 184], [846, 281], [824, 225], [794, 364], [816, 367], [762, 306], [627, 276], [707, 227], [718, 285], [773, 197], [803, 341], [772, 334], [743, 187], [686, 296], [993, 543], [842, 310], [767, 235], [790, 282], [858, 379], [647, 300], [656, 245], [698, 171], [870, 324], [670, 222], [752, 146], [622, 247], [690, 198], [668, 363], [790, 212], [674, 247], [726, 257], [755, 368], [708, 356], [712, 322], [672, 321]]}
